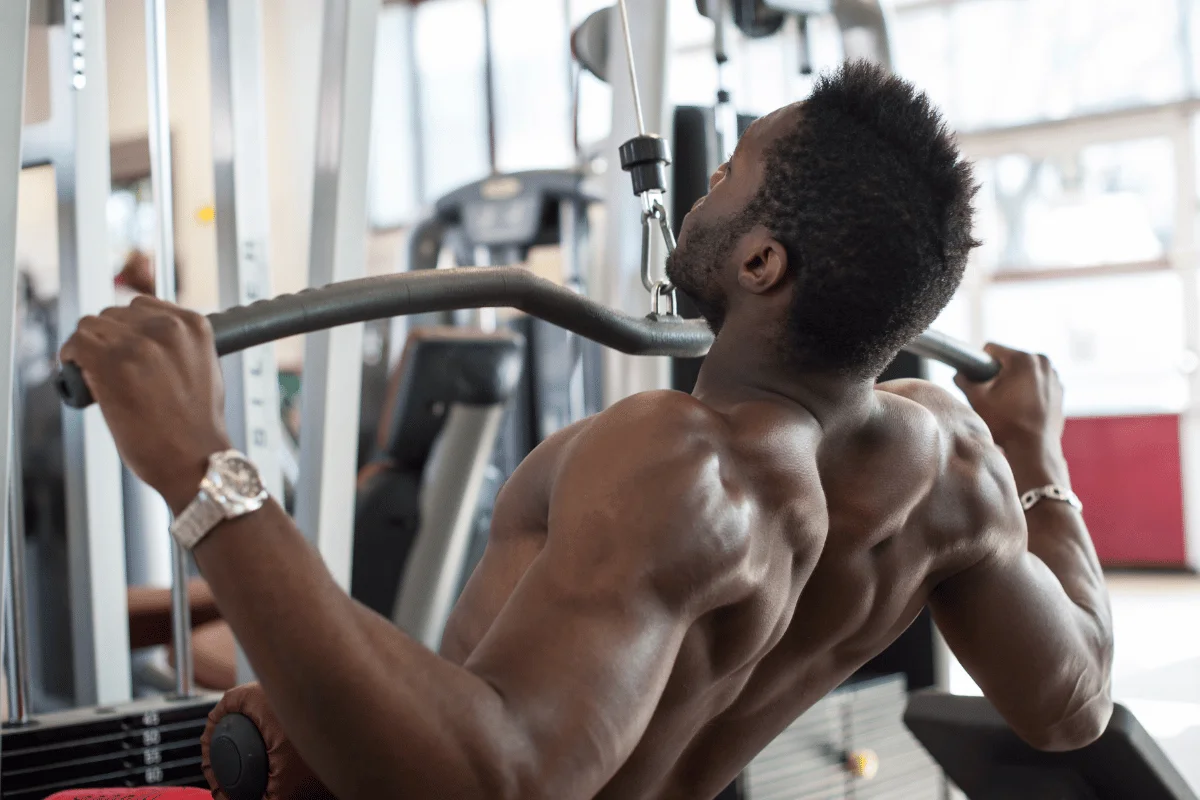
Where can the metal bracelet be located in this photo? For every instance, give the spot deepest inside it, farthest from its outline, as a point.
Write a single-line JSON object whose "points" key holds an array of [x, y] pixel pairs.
{"points": [[1052, 492]]}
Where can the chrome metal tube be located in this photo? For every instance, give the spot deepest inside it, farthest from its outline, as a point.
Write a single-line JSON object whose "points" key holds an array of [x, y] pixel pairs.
{"points": [[164, 287]]}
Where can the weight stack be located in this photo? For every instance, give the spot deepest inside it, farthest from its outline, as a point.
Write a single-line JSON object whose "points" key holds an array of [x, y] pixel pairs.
{"points": [[152, 742]]}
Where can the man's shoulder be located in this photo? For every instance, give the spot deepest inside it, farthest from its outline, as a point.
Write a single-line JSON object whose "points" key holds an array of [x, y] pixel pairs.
{"points": [[924, 393], [974, 495], [954, 417], [654, 476], [671, 410], [647, 431], [663, 435]]}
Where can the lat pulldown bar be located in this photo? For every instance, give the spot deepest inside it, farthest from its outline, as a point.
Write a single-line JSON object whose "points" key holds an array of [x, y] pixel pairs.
{"points": [[487, 287]]}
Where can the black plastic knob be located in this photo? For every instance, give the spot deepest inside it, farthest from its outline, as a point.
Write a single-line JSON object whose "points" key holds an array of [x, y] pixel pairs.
{"points": [[239, 757], [645, 159], [72, 387]]}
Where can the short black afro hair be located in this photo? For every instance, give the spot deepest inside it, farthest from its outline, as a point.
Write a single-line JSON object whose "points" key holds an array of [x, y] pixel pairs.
{"points": [[872, 202]]}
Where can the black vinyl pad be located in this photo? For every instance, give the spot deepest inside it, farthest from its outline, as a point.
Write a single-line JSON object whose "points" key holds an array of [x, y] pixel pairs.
{"points": [[981, 754]]}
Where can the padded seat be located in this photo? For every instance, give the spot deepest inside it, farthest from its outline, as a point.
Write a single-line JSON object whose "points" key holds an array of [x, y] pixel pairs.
{"points": [[441, 367]]}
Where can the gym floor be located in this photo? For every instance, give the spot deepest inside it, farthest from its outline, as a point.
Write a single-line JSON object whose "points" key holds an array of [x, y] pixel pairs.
{"points": [[1156, 668]]}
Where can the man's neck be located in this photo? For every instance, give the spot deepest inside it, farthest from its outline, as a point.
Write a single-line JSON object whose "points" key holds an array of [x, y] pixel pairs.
{"points": [[742, 366]]}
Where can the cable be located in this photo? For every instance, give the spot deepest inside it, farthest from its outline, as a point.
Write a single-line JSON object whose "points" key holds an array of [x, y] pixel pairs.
{"points": [[637, 97]]}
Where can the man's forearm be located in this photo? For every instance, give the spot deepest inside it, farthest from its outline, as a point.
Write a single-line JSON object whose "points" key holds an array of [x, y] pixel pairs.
{"points": [[369, 708], [1058, 535]]}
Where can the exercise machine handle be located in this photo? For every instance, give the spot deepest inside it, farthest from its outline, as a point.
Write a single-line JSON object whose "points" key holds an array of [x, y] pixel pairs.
{"points": [[975, 364], [426, 291]]}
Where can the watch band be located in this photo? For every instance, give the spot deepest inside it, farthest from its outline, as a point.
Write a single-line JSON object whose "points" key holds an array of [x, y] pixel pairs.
{"points": [[201, 516], [1051, 492]]}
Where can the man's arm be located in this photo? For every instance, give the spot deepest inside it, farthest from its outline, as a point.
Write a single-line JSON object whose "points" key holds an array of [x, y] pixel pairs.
{"points": [[558, 692], [1031, 621]]}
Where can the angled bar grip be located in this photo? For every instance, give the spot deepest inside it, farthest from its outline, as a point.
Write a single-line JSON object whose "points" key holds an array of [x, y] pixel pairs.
{"points": [[975, 364], [425, 291]]}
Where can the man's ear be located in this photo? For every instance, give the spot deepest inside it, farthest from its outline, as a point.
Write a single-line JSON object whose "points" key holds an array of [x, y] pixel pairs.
{"points": [[764, 265]]}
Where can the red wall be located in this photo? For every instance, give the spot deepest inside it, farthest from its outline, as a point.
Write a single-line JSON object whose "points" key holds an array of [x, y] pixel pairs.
{"points": [[1126, 470]]}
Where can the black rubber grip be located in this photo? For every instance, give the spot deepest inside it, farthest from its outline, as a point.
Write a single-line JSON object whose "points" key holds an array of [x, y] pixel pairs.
{"points": [[72, 388], [426, 291]]}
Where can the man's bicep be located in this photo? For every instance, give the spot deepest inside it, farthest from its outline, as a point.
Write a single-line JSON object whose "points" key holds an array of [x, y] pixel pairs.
{"points": [[1018, 635]]}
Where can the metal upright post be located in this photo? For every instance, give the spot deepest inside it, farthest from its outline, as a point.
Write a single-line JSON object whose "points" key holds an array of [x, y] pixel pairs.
{"points": [[618, 283], [16, 616], [14, 32], [243, 222], [164, 287], [75, 141], [332, 382], [1183, 260], [489, 88]]}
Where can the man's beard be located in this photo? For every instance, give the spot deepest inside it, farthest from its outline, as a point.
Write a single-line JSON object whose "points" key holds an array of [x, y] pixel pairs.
{"points": [[694, 268]]}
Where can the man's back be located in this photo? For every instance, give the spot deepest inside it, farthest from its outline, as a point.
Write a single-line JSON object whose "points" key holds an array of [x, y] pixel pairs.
{"points": [[847, 523]]}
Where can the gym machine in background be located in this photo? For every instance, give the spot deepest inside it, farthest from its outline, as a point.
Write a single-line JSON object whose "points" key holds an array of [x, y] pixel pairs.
{"points": [[538, 219], [82, 644], [504, 220], [154, 741], [119, 743]]}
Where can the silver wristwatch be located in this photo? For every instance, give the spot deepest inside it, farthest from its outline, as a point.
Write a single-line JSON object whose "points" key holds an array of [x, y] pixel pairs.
{"points": [[231, 488], [1051, 492]]}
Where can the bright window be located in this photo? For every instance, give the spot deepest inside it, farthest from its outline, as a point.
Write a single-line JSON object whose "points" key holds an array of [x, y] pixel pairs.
{"points": [[1117, 341], [453, 104], [996, 63], [1109, 203], [530, 48]]}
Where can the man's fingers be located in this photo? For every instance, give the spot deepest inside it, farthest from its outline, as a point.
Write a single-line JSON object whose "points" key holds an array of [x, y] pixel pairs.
{"points": [[1005, 355], [162, 317], [119, 313], [1010, 358], [969, 387], [104, 329], [149, 301], [103, 338], [86, 345]]}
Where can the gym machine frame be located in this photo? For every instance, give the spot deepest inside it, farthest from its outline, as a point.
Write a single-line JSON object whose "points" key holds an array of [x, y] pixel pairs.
{"points": [[338, 304], [74, 141], [14, 35]]}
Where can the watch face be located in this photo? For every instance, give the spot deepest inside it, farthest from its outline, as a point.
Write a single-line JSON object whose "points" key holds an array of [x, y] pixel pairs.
{"points": [[236, 476]]}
